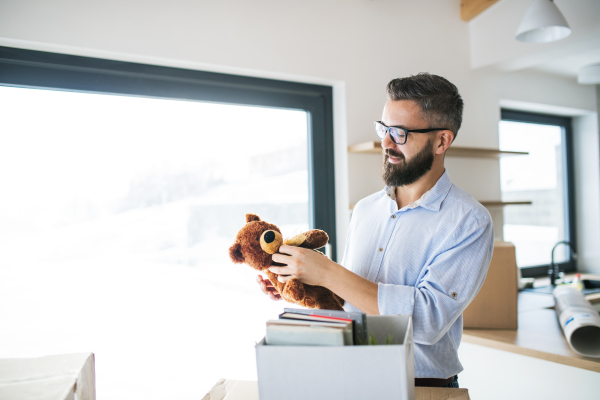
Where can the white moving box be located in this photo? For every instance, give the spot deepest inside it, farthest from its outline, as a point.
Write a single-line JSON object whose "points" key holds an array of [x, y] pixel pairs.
{"points": [[383, 371]]}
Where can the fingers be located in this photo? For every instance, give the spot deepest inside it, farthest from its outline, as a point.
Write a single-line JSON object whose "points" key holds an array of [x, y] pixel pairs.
{"points": [[262, 284], [291, 250], [291, 262], [284, 273], [266, 286], [281, 270], [274, 296], [281, 258], [269, 285]]}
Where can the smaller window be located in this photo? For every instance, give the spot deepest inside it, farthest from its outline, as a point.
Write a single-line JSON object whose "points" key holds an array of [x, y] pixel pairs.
{"points": [[544, 178]]}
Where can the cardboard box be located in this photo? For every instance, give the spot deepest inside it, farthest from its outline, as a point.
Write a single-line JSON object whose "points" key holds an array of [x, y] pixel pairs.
{"points": [[384, 371], [57, 377], [495, 306]]}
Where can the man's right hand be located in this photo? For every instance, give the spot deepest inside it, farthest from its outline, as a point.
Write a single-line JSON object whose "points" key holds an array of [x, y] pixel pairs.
{"points": [[267, 287]]}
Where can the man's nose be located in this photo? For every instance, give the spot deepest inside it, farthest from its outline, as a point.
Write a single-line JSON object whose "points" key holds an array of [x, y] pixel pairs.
{"points": [[387, 142]]}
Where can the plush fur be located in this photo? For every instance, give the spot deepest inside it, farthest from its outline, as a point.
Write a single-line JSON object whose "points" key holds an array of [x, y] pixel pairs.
{"points": [[258, 240]]}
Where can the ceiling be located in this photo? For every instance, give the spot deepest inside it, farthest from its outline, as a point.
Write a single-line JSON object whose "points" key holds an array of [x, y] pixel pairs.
{"points": [[493, 43], [570, 65]]}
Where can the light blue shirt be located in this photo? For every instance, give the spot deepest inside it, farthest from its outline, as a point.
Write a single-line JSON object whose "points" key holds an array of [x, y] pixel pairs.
{"points": [[429, 260]]}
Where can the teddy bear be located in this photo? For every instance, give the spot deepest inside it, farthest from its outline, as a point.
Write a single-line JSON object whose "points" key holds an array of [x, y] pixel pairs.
{"points": [[255, 245]]}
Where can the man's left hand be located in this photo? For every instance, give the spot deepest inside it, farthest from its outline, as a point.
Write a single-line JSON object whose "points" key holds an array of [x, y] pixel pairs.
{"points": [[307, 265]]}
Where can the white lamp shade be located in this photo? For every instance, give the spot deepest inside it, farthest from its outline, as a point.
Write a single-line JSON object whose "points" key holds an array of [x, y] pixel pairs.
{"points": [[543, 23], [589, 75]]}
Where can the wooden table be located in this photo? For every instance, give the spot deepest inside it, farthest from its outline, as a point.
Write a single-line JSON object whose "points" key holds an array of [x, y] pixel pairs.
{"points": [[226, 389], [539, 334]]}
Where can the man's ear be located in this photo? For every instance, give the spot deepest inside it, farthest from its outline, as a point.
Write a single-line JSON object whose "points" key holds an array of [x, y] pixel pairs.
{"points": [[235, 253], [446, 139], [252, 217]]}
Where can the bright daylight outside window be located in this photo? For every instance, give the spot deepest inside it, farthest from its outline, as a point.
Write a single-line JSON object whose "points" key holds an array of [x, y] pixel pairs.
{"points": [[115, 221], [540, 178]]}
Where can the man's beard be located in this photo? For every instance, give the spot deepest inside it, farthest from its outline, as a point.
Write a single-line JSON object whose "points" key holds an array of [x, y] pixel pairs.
{"points": [[406, 173]]}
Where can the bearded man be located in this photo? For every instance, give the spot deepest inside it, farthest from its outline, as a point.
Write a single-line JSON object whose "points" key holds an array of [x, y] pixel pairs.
{"points": [[421, 246]]}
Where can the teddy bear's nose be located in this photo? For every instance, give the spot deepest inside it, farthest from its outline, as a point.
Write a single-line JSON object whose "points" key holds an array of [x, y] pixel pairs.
{"points": [[270, 241], [269, 236]]}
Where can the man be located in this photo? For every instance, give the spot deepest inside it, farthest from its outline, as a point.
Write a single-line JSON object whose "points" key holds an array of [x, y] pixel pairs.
{"points": [[422, 245]]}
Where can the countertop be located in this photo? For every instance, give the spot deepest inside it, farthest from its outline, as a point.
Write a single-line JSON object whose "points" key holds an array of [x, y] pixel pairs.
{"points": [[227, 389], [539, 334]]}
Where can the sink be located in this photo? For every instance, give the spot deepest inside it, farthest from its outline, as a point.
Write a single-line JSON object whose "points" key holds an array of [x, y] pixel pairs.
{"points": [[589, 286]]}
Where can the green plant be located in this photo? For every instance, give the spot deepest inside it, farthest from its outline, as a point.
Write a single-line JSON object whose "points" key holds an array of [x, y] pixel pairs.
{"points": [[388, 340], [372, 341]]}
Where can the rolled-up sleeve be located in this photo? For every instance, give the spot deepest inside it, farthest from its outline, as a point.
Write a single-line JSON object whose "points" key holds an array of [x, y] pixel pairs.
{"points": [[447, 284]]}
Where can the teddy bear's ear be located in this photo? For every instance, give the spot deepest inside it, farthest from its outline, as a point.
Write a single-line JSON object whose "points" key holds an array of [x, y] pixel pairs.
{"points": [[252, 217], [235, 253]]}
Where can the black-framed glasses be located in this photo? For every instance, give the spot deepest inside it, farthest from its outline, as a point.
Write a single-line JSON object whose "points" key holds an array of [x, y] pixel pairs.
{"points": [[399, 135]]}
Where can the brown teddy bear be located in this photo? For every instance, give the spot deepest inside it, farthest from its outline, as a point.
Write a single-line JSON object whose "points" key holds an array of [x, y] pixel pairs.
{"points": [[258, 240]]}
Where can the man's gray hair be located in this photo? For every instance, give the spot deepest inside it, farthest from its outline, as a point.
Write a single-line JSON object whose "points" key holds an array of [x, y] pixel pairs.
{"points": [[439, 100]]}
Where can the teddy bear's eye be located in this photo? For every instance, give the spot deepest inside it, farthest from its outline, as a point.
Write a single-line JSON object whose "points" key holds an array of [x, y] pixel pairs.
{"points": [[269, 236]]}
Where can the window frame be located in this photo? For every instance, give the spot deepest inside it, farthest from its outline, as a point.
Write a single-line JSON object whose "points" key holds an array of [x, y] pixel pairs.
{"points": [[54, 71], [568, 175]]}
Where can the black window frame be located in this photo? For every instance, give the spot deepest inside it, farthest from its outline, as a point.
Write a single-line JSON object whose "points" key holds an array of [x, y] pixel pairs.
{"points": [[55, 71], [568, 175]]}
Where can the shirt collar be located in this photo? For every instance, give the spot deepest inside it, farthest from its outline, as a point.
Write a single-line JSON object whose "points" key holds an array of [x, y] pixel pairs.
{"points": [[432, 199]]}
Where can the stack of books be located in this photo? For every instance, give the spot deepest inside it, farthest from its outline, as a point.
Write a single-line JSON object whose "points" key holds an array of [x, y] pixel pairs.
{"points": [[302, 327]]}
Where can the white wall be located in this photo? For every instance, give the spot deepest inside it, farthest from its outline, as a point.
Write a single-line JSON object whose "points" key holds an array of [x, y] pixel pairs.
{"points": [[586, 145], [355, 45]]}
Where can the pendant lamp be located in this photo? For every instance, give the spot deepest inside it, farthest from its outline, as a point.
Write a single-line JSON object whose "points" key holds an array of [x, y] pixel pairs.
{"points": [[589, 75], [543, 23]]}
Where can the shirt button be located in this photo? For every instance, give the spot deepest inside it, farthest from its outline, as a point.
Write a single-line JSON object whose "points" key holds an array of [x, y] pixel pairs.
{"points": [[394, 216], [454, 294], [380, 249]]}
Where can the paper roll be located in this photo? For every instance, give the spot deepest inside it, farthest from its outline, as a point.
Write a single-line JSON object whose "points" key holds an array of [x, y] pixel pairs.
{"points": [[579, 321]]}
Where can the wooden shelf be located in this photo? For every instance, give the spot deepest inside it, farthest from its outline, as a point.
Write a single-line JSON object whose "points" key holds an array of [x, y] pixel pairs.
{"points": [[473, 152], [481, 153], [492, 203], [365, 147], [505, 203]]}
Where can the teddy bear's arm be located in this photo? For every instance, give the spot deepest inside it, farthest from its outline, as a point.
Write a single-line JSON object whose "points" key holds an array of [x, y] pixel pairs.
{"points": [[292, 290], [273, 278], [315, 239]]}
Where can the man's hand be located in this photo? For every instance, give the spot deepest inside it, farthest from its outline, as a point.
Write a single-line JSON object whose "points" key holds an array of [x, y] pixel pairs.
{"points": [[267, 287], [313, 268], [306, 265]]}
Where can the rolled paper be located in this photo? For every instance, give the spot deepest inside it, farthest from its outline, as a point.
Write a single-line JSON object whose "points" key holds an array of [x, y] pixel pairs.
{"points": [[579, 321]]}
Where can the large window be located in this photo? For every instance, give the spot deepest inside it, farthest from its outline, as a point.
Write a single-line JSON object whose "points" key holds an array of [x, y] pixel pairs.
{"points": [[123, 187], [543, 177]]}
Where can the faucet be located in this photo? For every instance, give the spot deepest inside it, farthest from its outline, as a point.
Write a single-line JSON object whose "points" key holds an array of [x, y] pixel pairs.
{"points": [[554, 270]]}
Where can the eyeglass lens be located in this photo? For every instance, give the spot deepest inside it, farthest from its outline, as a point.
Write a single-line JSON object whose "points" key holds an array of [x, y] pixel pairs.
{"points": [[398, 136]]}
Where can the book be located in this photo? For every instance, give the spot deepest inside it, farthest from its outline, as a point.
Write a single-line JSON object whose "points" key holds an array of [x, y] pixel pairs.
{"points": [[346, 326], [314, 317], [303, 335], [359, 320]]}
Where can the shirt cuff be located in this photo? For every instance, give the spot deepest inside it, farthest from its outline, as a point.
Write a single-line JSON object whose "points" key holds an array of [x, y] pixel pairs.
{"points": [[395, 299]]}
